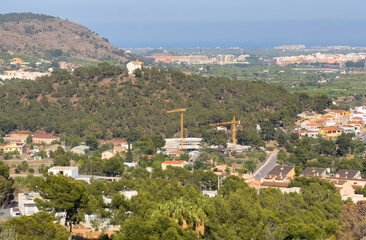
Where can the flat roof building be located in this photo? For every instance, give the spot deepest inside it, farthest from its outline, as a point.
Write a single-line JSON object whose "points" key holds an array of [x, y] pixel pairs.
{"points": [[66, 171], [27, 205], [190, 144]]}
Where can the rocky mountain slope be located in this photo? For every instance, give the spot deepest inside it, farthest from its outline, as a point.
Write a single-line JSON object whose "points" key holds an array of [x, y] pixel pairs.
{"points": [[48, 37]]}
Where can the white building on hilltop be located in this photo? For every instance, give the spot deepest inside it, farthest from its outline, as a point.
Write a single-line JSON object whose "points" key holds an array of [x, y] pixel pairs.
{"points": [[132, 66]]}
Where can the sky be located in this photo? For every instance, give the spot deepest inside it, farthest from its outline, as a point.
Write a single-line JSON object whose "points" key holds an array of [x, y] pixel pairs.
{"points": [[210, 23]]}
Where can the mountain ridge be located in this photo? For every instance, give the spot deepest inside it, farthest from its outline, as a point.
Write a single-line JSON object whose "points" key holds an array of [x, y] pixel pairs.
{"points": [[46, 36]]}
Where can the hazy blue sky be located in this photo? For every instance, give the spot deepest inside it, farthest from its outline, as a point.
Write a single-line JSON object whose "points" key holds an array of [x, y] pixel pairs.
{"points": [[210, 23]]}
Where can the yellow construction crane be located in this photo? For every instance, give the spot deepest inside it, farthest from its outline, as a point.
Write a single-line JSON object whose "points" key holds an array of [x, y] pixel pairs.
{"points": [[181, 110], [233, 123]]}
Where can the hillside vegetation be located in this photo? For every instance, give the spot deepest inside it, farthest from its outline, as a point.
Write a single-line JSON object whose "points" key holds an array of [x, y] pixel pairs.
{"points": [[104, 101], [49, 37]]}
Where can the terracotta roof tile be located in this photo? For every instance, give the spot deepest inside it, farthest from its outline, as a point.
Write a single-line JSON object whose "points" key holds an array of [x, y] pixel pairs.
{"points": [[275, 184], [173, 162], [45, 136]]}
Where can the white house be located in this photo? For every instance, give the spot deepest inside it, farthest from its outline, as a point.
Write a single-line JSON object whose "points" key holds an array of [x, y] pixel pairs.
{"points": [[132, 66], [290, 190], [27, 205], [107, 200], [221, 128], [108, 154], [361, 109], [312, 127], [209, 193], [357, 115], [330, 123], [308, 133], [128, 194], [239, 148], [356, 129], [66, 171], [173, 163], [127, 164]]}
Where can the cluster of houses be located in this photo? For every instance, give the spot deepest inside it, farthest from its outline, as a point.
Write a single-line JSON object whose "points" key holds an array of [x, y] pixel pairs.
{"points": [[346, 181], [118, 147], [18, 143], [319, 58], [48, 142], [332, 123], [23, 69], [24, 203]]}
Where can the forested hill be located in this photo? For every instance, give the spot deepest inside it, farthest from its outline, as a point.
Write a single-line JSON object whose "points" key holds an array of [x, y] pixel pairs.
{"points": [[104, 101], [48, 37]]}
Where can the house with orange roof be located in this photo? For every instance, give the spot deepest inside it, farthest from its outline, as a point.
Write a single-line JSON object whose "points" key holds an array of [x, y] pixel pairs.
{"points": [[357, 119], [44, 138], [17, 60], [108, 154], [176, 153], [133, 66], [119, 149], [312, 126], [122, 146], [274, 184], [17, 146], [254, 183], [148, 156], [330, 123], [181, 164], [90, 233], [16, 137], [351, 128], [219, 169], [343, 186], [339, 113], [331, 132]]}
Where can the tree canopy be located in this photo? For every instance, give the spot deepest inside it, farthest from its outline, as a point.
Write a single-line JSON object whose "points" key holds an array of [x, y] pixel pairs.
{"points": [[39, 226], [62, 193], [102, 102]]}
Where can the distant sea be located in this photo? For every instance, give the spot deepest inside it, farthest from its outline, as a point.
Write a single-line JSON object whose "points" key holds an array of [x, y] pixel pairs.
{"points": [[234, 34]]}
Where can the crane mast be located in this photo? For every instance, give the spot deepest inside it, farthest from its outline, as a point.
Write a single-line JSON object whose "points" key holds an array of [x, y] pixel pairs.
{"points": [[181, 110], [234, 124]]}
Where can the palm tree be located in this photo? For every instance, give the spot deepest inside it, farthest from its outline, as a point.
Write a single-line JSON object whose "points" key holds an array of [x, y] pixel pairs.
{"points": [[186, 214]]}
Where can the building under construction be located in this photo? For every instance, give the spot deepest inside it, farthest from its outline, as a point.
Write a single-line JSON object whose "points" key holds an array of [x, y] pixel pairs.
{"points": [[189, 144]]}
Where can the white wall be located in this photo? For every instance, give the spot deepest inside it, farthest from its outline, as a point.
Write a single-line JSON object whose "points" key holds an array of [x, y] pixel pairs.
{"points": [[72, 172]]}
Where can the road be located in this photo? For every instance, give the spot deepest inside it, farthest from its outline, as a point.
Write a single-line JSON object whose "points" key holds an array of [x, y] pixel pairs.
{"points": [[362, 136], [269, 164]]}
